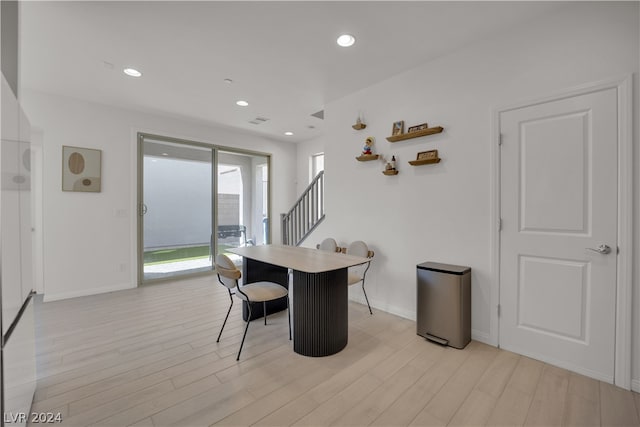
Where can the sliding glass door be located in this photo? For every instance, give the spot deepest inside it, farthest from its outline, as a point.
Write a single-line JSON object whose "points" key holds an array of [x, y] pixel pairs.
{"points": [[197, 200]]}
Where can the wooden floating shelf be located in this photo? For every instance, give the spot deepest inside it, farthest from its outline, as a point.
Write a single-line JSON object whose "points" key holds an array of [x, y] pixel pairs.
{"points": [[392, 172], [423, 162], [359, 126], [416, 134], [367, 157]]}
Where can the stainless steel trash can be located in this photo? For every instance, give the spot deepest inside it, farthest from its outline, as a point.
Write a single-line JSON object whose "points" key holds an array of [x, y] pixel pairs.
{"points": [[444, 303]]}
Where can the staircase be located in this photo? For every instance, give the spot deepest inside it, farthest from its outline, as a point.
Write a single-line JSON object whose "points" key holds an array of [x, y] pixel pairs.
{"points": [[305, 215]]}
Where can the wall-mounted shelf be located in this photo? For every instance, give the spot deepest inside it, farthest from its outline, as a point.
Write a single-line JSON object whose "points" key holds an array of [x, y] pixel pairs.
{"points": [[424, 162], [416, 134], [359, 126], [367, 157], [390, 172]]}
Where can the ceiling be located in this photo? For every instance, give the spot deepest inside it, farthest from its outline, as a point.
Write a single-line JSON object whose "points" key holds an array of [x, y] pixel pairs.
{"points": [[281, 56]]}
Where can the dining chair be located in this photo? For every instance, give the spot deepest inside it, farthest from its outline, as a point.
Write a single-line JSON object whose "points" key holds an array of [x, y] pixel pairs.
{"points": [[258, 292], [329, 245], [356, 274]]}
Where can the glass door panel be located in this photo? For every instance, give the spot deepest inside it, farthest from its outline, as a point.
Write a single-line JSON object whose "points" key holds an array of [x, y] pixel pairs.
{"points": [[243, 201], [176, 210]]}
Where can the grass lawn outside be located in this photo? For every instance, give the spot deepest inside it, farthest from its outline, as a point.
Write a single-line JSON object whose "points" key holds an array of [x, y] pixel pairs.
{"points": [[166, 255]]}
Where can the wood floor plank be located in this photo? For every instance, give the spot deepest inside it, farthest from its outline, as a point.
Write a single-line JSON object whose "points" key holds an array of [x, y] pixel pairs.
{"points": [[149, 356], [276, 398], [511, 409], [617, 406], [495, 378], [475, 410], [547, 407], [455, 391], [333, 385], [80, 377], [100, 412], [161, 402], [582, 407], [328, 412], [410, 403], [526, 375], [369, 408]]}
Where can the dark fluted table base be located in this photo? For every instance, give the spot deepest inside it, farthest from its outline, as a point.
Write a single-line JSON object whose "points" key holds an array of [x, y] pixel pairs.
{"points": [[320, 312], [319, 306]]}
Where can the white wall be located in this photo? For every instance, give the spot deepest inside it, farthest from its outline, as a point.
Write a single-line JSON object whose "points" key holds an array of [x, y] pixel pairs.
{"points": [[442, 212], [90, 238]]}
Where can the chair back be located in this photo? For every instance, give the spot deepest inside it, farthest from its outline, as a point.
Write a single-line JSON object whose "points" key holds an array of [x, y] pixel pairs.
{"points": [[228, 273], [329, 244], [359, 248]]}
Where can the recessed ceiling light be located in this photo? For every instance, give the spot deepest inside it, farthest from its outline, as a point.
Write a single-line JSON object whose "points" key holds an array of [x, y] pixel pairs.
{"points": [[228, 81], [288, 133], [132, 72], [242, 103], [165, 154], [346, 40]]}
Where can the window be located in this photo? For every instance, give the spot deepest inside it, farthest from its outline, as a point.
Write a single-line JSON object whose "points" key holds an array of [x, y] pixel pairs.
{"points": [[317, 165]]}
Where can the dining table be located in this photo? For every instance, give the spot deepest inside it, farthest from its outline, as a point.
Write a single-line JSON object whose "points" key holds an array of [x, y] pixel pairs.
{"points": [[319, 288]]}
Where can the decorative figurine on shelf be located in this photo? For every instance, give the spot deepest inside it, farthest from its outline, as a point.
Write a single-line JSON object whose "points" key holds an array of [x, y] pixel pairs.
{"points": [[366, 150], [359, 123], [391, 164]]}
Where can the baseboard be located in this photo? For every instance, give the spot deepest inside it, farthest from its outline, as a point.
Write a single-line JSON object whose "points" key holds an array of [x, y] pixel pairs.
{"points": [[400, 312], [562, 364], [482, 337], [48, 297], [635, 385]]}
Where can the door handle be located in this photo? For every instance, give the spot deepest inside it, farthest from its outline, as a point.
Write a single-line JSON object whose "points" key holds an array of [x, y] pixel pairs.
{"points": [[602, 249]]}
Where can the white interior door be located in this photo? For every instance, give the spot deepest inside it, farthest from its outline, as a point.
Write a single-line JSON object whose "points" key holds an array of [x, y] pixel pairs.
{"points": [[558, 207]]}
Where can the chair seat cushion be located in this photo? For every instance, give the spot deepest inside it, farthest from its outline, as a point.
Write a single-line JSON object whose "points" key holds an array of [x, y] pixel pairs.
{"points": [[262, 291], [353, 278]]}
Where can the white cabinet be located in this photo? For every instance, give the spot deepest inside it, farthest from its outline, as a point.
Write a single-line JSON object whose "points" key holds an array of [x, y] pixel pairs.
{"points": [[10, 113], [18, 330], [12, 181], [20, 366]]}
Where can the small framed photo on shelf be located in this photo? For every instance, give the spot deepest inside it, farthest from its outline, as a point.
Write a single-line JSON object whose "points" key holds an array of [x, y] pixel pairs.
{"points": [[398, 128], [427, 155], [418, 127]]}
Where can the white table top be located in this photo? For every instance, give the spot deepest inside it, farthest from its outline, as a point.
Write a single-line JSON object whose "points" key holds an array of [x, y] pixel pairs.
{"points": [[298, 258]]}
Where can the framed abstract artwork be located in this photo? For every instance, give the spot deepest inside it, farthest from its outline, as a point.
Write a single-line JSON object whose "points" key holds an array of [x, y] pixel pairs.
{"points": [[81, 169]]}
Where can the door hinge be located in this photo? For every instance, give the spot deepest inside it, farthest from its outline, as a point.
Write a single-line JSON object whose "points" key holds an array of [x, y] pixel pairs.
{"points": [[499, 224], [499, 139], [498, 310]]}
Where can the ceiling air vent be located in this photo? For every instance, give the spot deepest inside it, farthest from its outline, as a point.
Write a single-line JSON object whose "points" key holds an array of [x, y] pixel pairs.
{"points": [[319, 114], [258, 120]]}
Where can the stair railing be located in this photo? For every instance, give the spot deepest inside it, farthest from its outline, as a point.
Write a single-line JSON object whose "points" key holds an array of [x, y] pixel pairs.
{"points": [[305, 215]]}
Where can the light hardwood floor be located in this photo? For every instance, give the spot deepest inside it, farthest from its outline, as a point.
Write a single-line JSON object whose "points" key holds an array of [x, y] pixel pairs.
{"points": [[149, 356]]}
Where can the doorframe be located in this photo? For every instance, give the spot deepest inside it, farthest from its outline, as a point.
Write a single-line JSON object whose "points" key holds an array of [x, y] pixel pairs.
{"points": [[624, 302]]}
